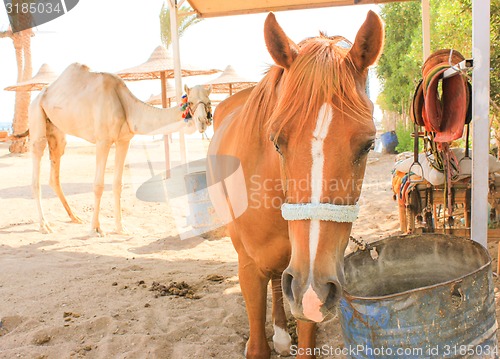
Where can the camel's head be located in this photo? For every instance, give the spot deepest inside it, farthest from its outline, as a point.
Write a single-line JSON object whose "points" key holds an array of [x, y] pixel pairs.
{"points": [[200, 107]]}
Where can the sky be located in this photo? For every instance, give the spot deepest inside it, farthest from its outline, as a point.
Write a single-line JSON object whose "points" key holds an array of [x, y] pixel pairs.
{"points": [[111, 35]]}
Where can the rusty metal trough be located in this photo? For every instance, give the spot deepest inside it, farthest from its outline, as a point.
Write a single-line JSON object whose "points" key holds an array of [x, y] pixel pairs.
{"points": [[425, 296]]}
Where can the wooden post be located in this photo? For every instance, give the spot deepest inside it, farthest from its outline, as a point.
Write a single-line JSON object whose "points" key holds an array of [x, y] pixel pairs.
{"points": [[177, 69], [165, 137], [480, 122]]}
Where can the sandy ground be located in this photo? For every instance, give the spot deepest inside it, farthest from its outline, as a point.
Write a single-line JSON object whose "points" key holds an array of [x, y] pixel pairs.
{"points": [[69, 295]]}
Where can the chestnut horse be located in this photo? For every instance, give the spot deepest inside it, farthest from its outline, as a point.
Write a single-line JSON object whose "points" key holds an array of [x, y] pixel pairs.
{"points": [[301, 137]]}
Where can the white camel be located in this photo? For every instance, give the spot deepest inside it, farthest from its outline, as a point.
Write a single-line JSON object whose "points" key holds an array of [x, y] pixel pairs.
{"points": [[99, 108]]}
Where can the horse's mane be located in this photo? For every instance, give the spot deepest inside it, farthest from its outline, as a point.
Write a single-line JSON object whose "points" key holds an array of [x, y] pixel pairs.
{"points": [[322, 72], [262, 100]]}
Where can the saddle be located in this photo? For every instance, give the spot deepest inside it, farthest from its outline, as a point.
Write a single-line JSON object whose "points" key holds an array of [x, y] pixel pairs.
{"points": [[442, 105]]}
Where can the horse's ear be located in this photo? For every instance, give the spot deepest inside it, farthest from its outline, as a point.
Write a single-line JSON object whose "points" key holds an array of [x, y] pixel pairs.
{"points": [[186, 89], [369, 42], [208, 89], [282, 49]]}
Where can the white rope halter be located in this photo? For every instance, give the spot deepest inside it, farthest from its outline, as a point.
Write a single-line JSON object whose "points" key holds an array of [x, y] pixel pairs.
{"points": [[320, 211]]}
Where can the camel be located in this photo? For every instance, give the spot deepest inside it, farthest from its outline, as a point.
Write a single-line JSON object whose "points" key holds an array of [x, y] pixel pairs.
{"points": [[99, 108]]}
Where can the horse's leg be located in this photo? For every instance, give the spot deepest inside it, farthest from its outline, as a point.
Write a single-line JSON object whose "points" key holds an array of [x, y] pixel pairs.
{"points": [[102, 152], [306, 331], [253, 285], [57, 144], [121, 153], [281, 338]]}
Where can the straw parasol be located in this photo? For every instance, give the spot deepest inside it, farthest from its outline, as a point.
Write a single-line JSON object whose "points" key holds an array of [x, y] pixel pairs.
{"points": [[44, 77], [230, 81], [156, 99], [160, 61]]}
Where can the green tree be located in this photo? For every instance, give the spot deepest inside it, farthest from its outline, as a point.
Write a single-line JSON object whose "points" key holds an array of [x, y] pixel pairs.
{"points": [[185, 19], [399, 67], [495, 56]]}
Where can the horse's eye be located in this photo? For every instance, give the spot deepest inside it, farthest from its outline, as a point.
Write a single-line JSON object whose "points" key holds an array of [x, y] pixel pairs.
{"points": [[277, 147], [368, 147]]}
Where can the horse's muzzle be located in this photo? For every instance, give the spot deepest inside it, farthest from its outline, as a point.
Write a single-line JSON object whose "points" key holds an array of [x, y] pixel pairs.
{"points": [[311, 299]]}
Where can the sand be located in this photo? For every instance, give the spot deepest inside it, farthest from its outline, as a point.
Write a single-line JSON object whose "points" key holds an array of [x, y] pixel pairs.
{"points": [[70, 295]]}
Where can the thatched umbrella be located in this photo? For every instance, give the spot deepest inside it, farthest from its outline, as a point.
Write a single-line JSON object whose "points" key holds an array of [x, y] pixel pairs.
{"points": [[156, 99], [44, 77], [160, 65], [230, 81]]}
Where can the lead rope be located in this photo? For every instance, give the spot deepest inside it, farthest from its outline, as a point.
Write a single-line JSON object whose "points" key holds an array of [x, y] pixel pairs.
{"points": [[363, 245]]}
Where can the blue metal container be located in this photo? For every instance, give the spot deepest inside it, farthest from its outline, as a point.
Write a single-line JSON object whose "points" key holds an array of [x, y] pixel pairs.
{"points": [[202, 212], [389, 141], [425, 296]]}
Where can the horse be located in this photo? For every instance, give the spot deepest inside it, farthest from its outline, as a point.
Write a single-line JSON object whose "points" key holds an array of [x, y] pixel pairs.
{"points": [[301, 137]]}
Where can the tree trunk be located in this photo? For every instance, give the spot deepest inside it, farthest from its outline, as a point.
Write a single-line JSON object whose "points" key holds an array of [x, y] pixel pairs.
{"points": [[496, 128], [22, 45]]}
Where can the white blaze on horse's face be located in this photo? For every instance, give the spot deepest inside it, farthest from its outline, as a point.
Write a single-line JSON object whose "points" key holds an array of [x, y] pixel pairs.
{"points": [[335, 157], [333, 175], [310, 300], [323, 122], [200, 106]]}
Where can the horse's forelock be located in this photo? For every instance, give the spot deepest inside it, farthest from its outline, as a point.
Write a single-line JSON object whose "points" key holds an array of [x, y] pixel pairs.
{"points": [[321, 73]]}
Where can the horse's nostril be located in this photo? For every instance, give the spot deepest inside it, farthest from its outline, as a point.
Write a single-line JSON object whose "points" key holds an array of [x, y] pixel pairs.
{"points": [[334, 291], [286, 283]]}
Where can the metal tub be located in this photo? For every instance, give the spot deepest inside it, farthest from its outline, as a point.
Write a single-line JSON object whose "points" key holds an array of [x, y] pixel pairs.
{"points": [[425, 296], [202, 213]]}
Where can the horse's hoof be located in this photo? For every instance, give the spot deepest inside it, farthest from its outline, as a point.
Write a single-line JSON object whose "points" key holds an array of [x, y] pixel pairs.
{"points": [[263, 353], [282, 341]]}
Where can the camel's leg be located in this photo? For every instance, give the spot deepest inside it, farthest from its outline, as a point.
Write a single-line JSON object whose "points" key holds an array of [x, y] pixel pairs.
{"points": [[282, 340], [57, 144], [306, 331], [38, 138], [38, 147], [253, 285], [121, 153], [102, 152]]}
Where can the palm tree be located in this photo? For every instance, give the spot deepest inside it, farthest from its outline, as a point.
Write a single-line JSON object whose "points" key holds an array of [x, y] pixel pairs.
{"points": [[185, 18], [22, 46]]}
